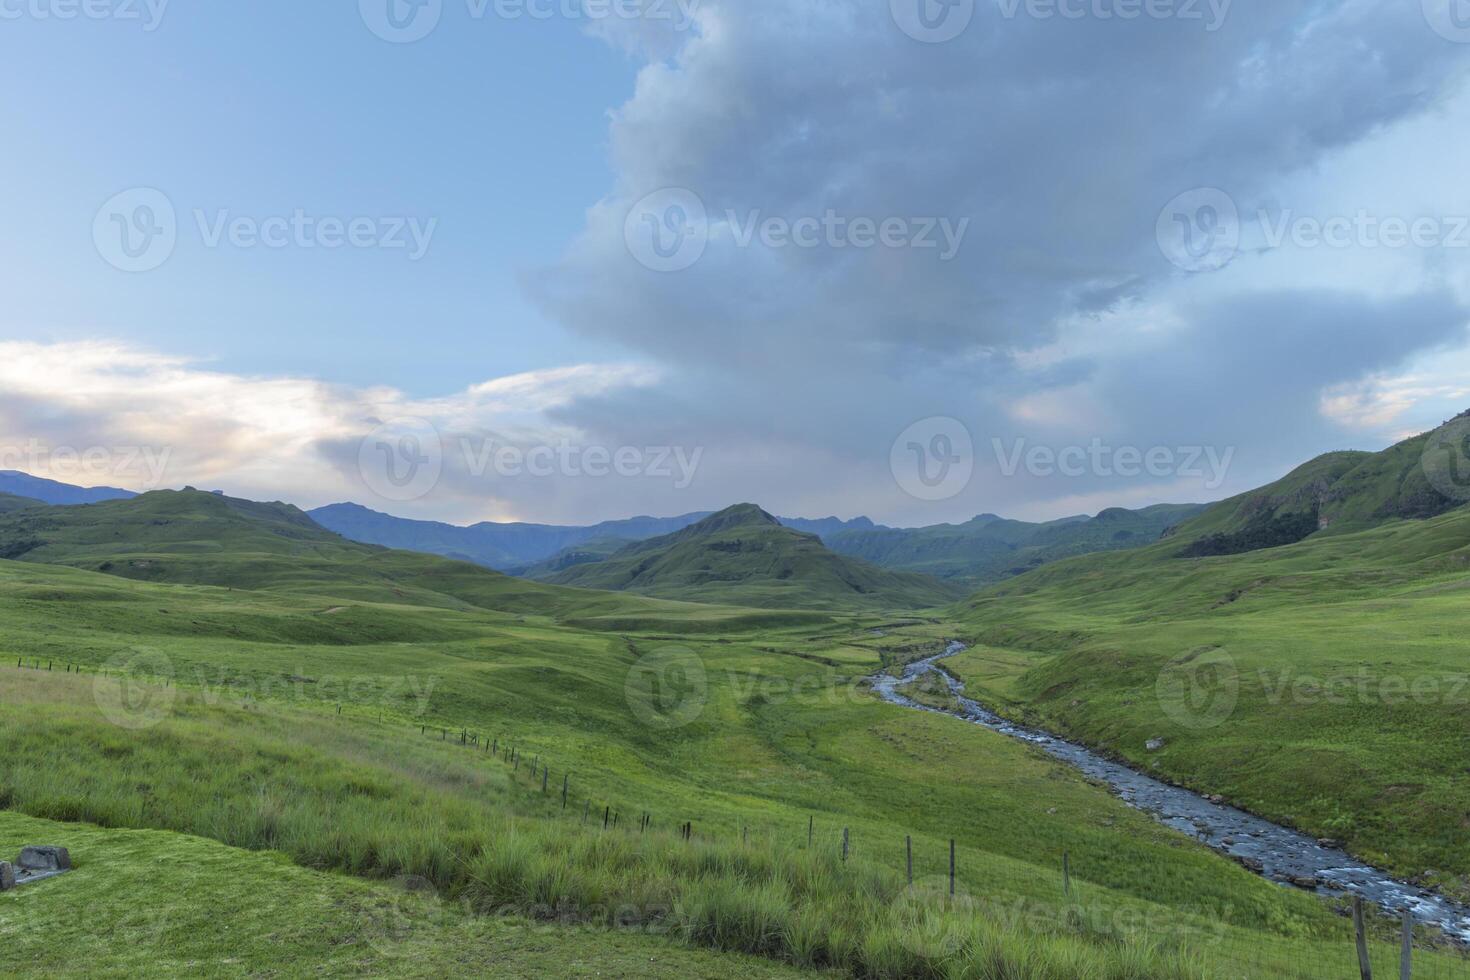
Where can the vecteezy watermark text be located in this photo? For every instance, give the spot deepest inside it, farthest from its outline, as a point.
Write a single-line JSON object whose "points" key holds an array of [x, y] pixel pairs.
{"points": [[938, 21], [1211, 14], [148, 13], [934, 459], [139, 465], [407, 21], [138, 230], [1207, 463], [568, 459], [1203, 230], [404, 459], [670, 230]]}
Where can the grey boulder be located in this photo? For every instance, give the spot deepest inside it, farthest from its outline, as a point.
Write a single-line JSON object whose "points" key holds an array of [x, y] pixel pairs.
{"points": [[45, 859]]}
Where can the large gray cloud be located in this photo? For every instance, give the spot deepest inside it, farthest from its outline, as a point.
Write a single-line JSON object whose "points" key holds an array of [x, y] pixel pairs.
{"points": [[1061, 141]]}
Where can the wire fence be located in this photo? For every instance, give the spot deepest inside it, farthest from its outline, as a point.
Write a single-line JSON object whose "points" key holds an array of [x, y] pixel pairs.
{"points": [[1014, 893]]}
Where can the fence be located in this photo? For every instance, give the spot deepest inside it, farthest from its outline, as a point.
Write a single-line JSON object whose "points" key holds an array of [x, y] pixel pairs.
{"points": [[1363, 953]]}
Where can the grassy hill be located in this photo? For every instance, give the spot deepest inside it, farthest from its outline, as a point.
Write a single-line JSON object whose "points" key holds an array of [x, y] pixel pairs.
{"points": [[204, 539], [989, 548], [1337, 493], [9, 503], [327, 718], [744, 555], [288, 728], [1337, 692], [534, 550], [598, 549]]}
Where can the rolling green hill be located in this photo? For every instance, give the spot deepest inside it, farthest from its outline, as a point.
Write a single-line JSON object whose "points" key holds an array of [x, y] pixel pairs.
{"points": [[989, 548], [205, 539], [1336, 493], [315, 714], [744, 555], [1335, 695], [9, 503], [292, 729], [597, 549]]}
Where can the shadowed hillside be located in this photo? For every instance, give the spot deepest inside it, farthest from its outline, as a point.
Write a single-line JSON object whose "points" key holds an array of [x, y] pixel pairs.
{"points": [[745, 555]]}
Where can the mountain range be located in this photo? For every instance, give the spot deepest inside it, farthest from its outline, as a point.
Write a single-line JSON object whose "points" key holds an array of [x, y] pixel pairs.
{"points": [[984, 550], [16, 484]]}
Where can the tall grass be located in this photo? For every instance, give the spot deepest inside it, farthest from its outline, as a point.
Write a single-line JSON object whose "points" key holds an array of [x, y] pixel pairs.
{"points": [[356, 798], [257, 779]]}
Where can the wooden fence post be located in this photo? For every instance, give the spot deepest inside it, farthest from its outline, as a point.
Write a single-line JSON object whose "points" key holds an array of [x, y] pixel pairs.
{"points": [[1406, 956], [565, 779], [606, 815], [811, 824], [1365, 965], [844, 844]]}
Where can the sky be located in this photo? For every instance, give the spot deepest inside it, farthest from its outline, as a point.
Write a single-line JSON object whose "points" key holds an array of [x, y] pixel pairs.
{"points": [[575, 260]]}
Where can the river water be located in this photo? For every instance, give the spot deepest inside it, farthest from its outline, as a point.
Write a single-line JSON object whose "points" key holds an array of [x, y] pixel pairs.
{"points": [[1273, 851]]}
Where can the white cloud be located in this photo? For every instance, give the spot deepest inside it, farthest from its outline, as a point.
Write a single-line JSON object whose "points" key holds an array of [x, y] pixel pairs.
{"points": [[107, 413]]}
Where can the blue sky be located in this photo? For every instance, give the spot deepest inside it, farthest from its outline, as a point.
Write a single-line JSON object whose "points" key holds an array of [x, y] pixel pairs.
{"points": [[830, 256], [495, 127]]}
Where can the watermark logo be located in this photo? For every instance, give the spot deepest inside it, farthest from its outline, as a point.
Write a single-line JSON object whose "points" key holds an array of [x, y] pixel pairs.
{"points": [[838, 231], [668, 688], [402, 459], [676, 463], [1450, 19], [401, 21], [668, 230], [932, 21], [139, 466], [1446, 459], [1199, 231], [1211, 13], [1199, 690], [1208, 464], [933, 459], [392, 921], [931, 921], [137, 230], [302, 230], [1364, 230], [147, 12], [135, 689]]}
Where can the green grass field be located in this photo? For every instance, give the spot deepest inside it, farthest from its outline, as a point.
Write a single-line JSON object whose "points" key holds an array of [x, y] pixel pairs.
{"points": [[1324, 684], [194, 666], [249, 749], [151, 903]]}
